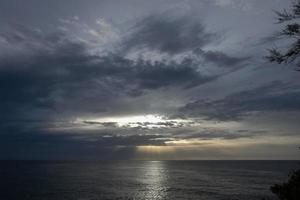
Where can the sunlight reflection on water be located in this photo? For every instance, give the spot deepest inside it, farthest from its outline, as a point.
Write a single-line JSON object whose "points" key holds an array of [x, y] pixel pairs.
{"points": [[154, 178]]}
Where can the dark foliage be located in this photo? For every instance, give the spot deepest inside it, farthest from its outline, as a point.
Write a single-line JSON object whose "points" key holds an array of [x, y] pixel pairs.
{"points": [[289, 190], [291, 31]]}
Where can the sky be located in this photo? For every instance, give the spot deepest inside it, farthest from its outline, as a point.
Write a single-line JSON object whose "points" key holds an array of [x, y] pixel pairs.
{"points": [[145, 80]]}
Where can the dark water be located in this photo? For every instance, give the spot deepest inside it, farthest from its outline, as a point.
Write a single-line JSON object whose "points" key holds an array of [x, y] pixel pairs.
{"points": [[207, 180]]}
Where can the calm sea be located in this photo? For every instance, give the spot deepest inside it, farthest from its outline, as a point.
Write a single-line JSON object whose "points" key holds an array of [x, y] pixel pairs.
{"points": [[207, 180]]}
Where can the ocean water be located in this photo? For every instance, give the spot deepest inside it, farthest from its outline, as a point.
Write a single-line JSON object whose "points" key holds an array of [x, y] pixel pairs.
{"points": [[200, 180]]}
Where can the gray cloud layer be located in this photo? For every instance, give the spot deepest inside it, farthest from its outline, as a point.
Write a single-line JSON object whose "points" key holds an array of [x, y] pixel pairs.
{"points": [[265, 98], [169, 34], [53, 75], [60, 74]]}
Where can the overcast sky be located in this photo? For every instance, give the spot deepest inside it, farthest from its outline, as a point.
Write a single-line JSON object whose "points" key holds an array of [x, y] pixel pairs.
{"points": [[137, 79]]}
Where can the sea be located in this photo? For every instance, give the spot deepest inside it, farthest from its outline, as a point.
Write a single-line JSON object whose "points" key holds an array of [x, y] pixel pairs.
{"points": [[118, 180]]}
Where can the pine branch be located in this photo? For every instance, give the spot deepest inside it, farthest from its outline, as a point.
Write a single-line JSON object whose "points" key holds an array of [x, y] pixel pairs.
{"points": [[291, 30]]}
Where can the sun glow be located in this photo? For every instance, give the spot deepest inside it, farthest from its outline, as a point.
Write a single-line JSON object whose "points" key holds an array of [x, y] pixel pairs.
{"points": [[155, 149], [146, 121], [131, 120]]}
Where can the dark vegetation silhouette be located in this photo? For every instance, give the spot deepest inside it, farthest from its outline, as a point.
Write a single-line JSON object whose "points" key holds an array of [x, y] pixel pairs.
{"points": [[289, 190], [291, 31]]}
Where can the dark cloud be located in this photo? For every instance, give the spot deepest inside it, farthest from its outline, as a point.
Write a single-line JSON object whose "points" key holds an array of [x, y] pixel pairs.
{"points": [[41, 146], [177, 34], [166, 33], [48, 79], [61, 75], [219, 58], [105, 124], [32, 142], [272, 97]]}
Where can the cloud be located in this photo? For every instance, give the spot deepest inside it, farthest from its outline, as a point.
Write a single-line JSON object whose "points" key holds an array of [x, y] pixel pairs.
{"points": [[46, 76], [177, 34], [275, 96], [50, 80], [200, 134], [49, 146], [34, 141], [167, 33], [220, 59], [237, 4]]}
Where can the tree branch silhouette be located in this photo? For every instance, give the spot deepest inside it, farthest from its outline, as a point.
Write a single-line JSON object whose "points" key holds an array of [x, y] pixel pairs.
{"points": [[290, 31]]}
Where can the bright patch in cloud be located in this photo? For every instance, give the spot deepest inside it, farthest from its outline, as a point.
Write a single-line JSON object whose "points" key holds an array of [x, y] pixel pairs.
{"points": [[144, 121], [155, 149]]}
